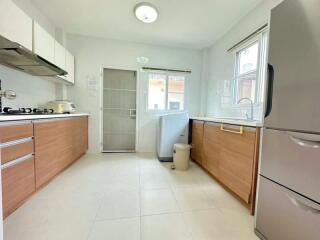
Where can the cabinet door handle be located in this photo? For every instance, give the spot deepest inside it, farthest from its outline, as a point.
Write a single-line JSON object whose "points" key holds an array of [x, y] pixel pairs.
{"points": [[305, 140], [17, 161], [232, 131], [15, 142], [304, 206]]}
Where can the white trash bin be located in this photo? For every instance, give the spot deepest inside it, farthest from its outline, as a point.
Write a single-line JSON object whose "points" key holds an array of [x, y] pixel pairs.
{"points": [[181, 156]]}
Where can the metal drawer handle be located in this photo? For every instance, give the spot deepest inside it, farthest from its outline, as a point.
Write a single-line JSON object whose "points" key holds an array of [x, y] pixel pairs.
{"points": [[299, 203], [15, 142], [305, 140], [231, 131], [17, 161]]}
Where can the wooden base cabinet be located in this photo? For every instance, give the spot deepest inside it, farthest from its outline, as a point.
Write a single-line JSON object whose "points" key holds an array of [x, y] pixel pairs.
{"points": [[33, 152], [58, 143], [197, 138], [230, 154], [17, 164], [18, 183]]}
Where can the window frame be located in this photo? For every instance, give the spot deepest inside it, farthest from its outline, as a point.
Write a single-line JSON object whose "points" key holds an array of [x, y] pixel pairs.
{"points": [[262, 40], [167, 74]]}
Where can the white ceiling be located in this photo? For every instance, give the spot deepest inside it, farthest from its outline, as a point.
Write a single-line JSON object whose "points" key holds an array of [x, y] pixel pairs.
{"points": [[183, 23]]}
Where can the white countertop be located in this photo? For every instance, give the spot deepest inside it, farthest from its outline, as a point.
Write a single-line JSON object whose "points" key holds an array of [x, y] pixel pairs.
{"points": [[241, 122], [42, 116]]}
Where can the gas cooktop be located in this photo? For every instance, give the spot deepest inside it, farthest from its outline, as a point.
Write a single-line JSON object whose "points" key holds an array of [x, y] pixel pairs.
{"points": [[27, 111]]}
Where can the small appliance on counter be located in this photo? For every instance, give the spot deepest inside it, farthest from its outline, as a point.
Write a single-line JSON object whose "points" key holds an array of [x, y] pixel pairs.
{"points": [[61, 106]]}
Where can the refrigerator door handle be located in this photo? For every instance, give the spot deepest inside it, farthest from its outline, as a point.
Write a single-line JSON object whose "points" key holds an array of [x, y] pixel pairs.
{"points": [[269, 90], [297, 201], [305, 140]]}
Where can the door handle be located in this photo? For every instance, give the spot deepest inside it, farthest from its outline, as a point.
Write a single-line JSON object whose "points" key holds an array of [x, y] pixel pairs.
{"points": [[305, 140], [232, 131], [297, 201], [132, 113], [269, 90]]}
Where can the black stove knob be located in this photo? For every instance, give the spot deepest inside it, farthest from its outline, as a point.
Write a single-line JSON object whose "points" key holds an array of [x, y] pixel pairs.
{"points": [[7, 109], [28, 110]]}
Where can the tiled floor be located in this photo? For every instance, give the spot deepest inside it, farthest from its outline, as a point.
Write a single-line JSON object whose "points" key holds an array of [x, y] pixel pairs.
{"points": [[130, 197]]}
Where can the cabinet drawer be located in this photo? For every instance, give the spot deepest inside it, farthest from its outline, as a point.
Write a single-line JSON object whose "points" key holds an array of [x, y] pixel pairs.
{"points": [[293, 159], [285, 215], [15, 131], [13, 150], [18, 183]]}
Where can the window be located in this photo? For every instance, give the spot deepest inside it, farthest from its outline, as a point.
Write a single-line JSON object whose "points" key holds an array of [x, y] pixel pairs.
{"points": [[249, 71], [166, 92]]}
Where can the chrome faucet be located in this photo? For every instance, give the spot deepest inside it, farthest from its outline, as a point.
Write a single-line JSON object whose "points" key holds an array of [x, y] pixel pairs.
{"points": [[251, 103]]}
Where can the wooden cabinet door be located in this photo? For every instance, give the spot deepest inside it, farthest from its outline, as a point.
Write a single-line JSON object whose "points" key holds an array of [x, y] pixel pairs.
{"points": [[237, 157], [53, 148], [211, 148], [79, 136], [15, 24], [197, 139], [18, 183]]}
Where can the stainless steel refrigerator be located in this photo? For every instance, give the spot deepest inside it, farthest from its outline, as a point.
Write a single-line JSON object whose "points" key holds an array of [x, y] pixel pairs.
{"points": [[288, 205]]}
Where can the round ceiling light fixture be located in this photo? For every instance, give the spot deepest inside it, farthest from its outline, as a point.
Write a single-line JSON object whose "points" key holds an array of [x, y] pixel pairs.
{"points": [[146, 12]]}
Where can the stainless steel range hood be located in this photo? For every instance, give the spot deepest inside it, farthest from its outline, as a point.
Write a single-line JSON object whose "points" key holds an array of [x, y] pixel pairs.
{"points": [[18, 57]]}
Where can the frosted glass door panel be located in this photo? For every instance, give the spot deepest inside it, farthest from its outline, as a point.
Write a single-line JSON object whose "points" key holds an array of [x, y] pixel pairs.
{"points": [[119, 110]]}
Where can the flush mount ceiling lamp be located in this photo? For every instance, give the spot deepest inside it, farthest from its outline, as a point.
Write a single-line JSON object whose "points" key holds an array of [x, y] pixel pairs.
{"points": [[146, 12]]}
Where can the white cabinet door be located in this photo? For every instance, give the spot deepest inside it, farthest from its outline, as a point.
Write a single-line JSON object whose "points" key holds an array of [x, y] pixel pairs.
{"points": [[15, 25], [59, 55], [43, 43], [70, 67]]}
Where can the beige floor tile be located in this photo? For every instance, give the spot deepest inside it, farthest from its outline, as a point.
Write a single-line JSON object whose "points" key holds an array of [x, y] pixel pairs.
{"points": [[117, 204], [121, 229], [154, 181], [164, 226], [224, 200], [183, 179], [158, 201], [192, 199], [76, 208], [116, 189], [208, 225], [123, 183], [74, 230]]}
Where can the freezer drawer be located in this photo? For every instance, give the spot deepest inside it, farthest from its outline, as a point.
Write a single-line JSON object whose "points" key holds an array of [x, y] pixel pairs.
{"points": [[294, 48], [293, 160], [285, 215]]}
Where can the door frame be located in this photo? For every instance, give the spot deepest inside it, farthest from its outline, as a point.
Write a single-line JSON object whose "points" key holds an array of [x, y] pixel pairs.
{"points": [[137, 72]]}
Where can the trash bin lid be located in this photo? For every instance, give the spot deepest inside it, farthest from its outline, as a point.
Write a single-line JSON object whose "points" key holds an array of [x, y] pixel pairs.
{"points": [[182, 146]]}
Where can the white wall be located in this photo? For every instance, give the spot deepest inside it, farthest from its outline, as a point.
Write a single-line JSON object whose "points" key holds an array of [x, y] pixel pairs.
{"points": [[92, 53], [219, 64], [31, 91]]}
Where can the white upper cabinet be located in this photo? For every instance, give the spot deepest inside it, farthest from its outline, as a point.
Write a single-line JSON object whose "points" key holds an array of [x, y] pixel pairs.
{"points": [[15, 25], [70, 67], [59, 55], [43, 43]]}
